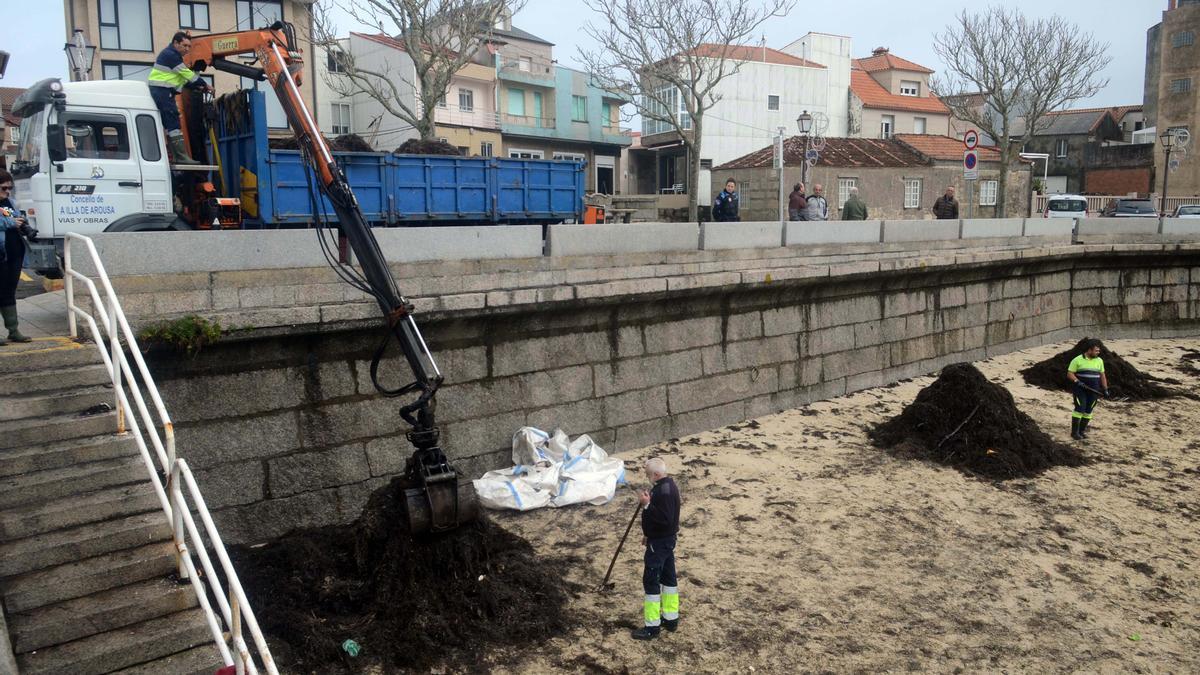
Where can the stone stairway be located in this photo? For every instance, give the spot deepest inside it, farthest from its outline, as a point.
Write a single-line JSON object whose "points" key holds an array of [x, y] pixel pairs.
{"points": [[87, 570]]}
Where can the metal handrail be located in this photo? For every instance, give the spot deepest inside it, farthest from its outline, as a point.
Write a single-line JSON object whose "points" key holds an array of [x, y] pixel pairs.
{"points": [[235, 611]]}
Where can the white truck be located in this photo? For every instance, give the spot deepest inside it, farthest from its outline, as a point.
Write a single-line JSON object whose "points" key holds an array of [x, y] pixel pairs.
{"points": [[91, 159]]}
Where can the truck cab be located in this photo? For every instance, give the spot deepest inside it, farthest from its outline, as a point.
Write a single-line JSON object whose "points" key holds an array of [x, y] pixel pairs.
{"points": [[91, 159]]}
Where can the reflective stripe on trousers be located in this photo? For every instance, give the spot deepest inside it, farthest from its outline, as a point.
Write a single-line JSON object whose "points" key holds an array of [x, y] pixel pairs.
{"points": [[670, 602], [652, 610]]}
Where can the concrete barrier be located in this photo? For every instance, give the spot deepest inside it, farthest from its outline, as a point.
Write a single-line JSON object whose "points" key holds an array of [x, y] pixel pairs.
{"points": [[976, 228], [128, 253], [1111, 226], [716, 236], [1188, 228], [920, 230], [411, 244], [623, 238], [1049, 227], [834, 232]]}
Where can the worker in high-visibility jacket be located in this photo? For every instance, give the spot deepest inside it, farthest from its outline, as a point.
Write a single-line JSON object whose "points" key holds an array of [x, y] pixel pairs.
{"points": [[660, 525], [167, 78]]}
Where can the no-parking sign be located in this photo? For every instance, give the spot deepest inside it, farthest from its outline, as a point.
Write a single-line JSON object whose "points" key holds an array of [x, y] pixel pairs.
{"points": [[970, 165]]}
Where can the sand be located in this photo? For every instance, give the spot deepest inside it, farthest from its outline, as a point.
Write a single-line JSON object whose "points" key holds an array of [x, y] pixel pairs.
{"points": [[806, 549]]}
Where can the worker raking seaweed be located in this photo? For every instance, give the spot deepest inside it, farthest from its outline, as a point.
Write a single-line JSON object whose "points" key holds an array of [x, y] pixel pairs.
{"points": [[660, 525], [1086, 372]]}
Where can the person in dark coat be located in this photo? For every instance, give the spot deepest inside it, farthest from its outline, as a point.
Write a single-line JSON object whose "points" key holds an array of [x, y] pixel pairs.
{"points": [[660, 526], [796, 202], [12, 255], [854, 208], [725, 206], [946, 207]]}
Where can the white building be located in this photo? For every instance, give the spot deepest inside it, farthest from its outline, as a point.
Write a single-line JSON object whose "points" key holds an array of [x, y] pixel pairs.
{"points": [[832, 51]]}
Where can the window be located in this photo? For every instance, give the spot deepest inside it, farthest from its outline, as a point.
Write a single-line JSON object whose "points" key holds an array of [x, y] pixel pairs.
{"points": [[340, 118], [253, 14], [1139, 125], [912, 193], [910, 88], [442, 101], [466, 100], [125, 24], [14, 134], [149, 138], [844, 185], [516, 102], [570, 156], [1060, 147], [578, 108], [335, 61], [772, 102], [1181, 86], [919, 124], [118, 70], [193, 15], [514, 153], [485, 149], [706, 165], [96, 135], [1184, 38], [606, 115], [888, 126], [464, 151], [537, 105], [987, 192], [525, 64], [662, 103]]}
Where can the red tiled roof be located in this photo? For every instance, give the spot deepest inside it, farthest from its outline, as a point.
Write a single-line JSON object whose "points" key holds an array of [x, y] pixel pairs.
{"points": [[749, 53], [873, 95], [8, 96], [888, 61], [838, 152], [944, 147]]}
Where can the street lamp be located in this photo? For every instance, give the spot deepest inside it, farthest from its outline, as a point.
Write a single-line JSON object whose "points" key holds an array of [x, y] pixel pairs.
{"points": [[80, 56], [1169, 139], [804, 124]]}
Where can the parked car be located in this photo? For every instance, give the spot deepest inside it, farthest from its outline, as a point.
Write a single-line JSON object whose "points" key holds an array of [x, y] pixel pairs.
{"points": [[1187, 211], [1129, 208], [1066, 206]]}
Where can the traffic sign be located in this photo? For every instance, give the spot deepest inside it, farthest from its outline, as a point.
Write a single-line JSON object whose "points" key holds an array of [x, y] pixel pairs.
{"points": [[970, 165], [971, 139]]}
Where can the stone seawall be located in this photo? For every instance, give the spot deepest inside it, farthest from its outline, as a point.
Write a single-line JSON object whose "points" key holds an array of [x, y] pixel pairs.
{"points": [[285, 429]]}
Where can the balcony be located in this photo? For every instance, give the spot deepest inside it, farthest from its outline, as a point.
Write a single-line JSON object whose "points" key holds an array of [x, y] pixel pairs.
{"points": [[474, 117], [527, 121], [527, 69]]}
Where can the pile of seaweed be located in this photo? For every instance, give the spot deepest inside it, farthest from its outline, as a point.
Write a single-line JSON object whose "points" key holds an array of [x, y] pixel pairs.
{"points": [[965, 421], [1124, 380], [343, 143], [409, 603], [416, 146]]}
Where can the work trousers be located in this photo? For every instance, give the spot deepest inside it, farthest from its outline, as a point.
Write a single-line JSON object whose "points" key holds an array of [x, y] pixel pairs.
{"points": [[10, 267], [659, 582], [164, 99], [1085, 401]]}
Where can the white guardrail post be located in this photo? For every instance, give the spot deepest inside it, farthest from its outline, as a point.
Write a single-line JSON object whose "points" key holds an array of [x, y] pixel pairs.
{"points": [[143, 427]]}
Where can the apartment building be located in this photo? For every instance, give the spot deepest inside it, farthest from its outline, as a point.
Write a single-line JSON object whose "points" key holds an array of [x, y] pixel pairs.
{"points": [[128, 34], [1172, 88], [10, 132], [890, 95]]}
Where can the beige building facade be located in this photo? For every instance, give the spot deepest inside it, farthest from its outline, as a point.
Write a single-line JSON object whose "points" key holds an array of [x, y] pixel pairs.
{"points": [[128, 34], [1174, 83]]}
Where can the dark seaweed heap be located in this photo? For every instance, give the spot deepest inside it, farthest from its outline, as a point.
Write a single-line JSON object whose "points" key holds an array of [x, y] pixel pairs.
{"points": [[1123, 379]]}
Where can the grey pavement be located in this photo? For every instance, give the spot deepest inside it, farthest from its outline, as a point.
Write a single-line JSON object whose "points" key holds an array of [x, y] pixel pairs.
{"points": [[44, 315]]}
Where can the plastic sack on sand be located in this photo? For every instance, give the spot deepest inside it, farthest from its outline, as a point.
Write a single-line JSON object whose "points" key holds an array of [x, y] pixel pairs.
{"points": [[550, 469]]}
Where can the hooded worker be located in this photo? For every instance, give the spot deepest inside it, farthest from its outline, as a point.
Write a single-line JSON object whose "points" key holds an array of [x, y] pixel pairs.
{"points": [[167, 78], [660, 525]]}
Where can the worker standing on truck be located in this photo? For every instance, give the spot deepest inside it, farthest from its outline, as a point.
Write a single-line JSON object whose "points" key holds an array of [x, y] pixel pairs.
{"points": [[1086, 372], [168, 77], [660, 525]]}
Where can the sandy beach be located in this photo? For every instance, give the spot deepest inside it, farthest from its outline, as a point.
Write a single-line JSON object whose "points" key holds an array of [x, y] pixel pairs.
{"points": [[806, 549]]}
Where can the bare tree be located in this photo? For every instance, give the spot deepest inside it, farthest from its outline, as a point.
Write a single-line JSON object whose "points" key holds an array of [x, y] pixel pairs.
{"points": [[668, 57], [440, 36], [1024, 68]]}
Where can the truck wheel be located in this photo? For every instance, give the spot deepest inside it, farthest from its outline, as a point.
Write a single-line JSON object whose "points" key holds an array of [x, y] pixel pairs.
{"points": [[146, 222]]}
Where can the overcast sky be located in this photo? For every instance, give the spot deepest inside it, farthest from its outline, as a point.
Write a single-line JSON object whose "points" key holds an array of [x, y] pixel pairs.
{"points": [[35, 34]]}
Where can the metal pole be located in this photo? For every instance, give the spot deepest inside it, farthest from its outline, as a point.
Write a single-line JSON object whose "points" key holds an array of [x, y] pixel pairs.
{"points": [[783, 214], [114, 343], [1166, 173], [69, 284], [804, 163]]}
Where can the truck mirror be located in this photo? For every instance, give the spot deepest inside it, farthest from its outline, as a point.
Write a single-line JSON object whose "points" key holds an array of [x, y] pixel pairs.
{"points": [[56, 143]]}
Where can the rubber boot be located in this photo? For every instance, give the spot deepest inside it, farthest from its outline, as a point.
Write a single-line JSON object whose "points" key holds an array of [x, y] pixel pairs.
{"points": [[10, 322], [1083, 425], [1075, 428], [671, 625], [646, 633], [179, 151]]}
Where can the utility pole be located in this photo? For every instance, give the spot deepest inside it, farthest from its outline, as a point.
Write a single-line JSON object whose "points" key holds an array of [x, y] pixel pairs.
{"points": [[779, 165]]}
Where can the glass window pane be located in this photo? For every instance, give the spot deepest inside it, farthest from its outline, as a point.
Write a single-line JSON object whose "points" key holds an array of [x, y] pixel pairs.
{"points": [[516, 102], [185, 15], [108, 12], [135, 24], [243, 15], [97, 136], [109, 38], [149, 138], [200, 16], [112, 72]]}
